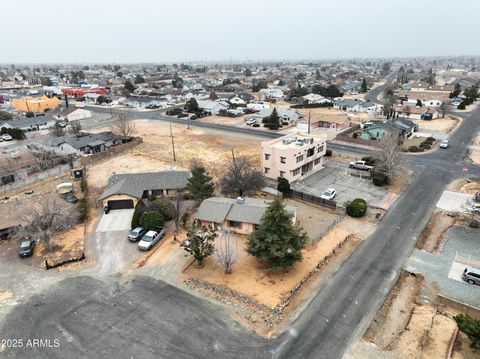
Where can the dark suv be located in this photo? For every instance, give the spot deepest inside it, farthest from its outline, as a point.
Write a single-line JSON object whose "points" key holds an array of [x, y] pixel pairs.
{"points": [[26, 248]]}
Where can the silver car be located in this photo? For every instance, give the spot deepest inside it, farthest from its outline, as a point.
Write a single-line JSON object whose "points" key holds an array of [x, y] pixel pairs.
{"points": [[471, 275]]}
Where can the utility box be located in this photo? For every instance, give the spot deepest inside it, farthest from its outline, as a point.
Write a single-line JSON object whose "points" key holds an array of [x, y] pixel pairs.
{"points": [[77, 174]]}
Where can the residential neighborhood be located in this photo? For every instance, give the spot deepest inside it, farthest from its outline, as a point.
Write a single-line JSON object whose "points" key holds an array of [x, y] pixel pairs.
{"points": [[226, 194]]}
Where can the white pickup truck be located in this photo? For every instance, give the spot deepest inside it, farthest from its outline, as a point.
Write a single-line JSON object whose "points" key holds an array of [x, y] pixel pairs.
{"points": [[151, 238], [360, 165]]}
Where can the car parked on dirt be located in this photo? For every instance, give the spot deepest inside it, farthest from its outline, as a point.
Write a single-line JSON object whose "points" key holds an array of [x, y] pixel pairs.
{"points": [[137, 234], [471, 275], [70, 198], [251, 122], [151, 238], [476, 208], [329, 194], [26, 248]]}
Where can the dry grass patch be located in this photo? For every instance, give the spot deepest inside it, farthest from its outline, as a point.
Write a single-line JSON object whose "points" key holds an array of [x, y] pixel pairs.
{"points": [[155, 153]]}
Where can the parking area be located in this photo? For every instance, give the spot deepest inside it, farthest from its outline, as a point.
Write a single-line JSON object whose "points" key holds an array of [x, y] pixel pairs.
{"points": [[116, 220], [454, 201], [336, 174], [443, 269]]}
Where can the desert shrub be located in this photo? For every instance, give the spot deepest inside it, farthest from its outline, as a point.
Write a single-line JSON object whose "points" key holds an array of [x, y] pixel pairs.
{"points": [[165, 207], [425, 145], [151, 220], [82, 208], [462, 105], [430, 139], [83, 185], [379, 179], [474, 223], [355, 135], [357, 208], [137, 214], [415, 149], [471, 327]]}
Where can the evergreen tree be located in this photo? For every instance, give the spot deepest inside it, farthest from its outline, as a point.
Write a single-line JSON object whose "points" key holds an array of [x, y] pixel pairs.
{"points": [[191, 105], [364, 87], [277, 240], [200, 184], [129, 86], [273, 120]]}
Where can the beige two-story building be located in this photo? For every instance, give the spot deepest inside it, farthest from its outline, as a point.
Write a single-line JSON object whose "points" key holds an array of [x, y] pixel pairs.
{"points": [[293, 156]]}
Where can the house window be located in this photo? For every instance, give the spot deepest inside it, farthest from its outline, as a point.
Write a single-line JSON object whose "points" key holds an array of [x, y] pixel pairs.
{"points": [[283, 159], [319, 149], [282, 174], [317, 161], [300, 158], [267, 156], [235, 224], [157, 192], [266, 170], [296, 172]]}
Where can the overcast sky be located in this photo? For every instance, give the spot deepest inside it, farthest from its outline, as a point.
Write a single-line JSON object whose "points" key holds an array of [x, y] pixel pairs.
{"points": [[87, 31]]}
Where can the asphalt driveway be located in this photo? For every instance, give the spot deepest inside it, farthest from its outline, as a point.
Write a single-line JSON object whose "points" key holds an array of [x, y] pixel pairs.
{"points": [[336, 174], [116, 220]]}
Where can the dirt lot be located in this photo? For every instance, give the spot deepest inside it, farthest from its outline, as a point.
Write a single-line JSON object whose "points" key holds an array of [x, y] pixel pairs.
{"points": [[224, 120], [155, 153], [413, 141], [468, 186], [447, 124], [406, 327], [433, 235]]}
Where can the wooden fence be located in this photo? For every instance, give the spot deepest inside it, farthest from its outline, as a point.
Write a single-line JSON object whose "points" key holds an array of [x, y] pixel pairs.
{"points": [[110, 152]]}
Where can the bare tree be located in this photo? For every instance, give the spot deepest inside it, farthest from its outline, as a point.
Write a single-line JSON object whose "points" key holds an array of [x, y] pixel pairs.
{"points": [[58, 131], [389, 99], [226, 251], [241, 177], [408, 111], [123, 126], [443, 108], [76, 127], [389, 159], [45, 219], [46, 159]]}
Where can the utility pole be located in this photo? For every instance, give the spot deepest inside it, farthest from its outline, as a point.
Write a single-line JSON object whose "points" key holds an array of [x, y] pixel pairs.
{"points": [[173, 143], [309, 113]]}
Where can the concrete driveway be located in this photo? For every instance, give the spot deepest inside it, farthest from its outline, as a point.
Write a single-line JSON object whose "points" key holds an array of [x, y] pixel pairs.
{"points": [[116, 220], [336, 174], [454, 201]]}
